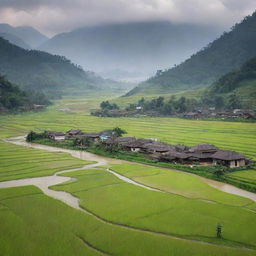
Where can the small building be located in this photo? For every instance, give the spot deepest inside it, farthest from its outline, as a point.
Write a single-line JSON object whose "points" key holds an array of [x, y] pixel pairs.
{"points": [[73, 133], [158, 147], [229, 159], [174, 156], [203, 148], [138, 145], [58, 136], [105, 135]]}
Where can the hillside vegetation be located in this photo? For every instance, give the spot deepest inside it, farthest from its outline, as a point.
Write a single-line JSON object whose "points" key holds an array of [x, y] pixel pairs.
{"points": [[42, 71], [12, 98], [239, 84], [223, 55]]}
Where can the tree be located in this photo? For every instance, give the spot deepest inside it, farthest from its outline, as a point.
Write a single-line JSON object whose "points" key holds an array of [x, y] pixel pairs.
{"points": [[31, 136], [118, 132], [219, 231], [106, 105], [233, 101]]}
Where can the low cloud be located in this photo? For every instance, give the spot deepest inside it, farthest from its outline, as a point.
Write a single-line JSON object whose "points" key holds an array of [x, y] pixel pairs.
{"points": [[55, 16]]}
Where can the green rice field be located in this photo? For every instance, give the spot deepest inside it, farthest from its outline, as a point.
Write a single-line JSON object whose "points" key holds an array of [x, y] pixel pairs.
{"points": [[18, 162], [162, 212], [34, 224], [125, 219]]}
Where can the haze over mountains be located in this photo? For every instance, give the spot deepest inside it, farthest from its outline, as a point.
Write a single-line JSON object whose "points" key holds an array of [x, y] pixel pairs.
{"points": [[223, 55], [131, 50], [43, 72], [23, 36]]}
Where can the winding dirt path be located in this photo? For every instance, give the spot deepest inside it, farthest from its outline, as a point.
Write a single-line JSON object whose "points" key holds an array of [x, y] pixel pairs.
{"points": [[45, 182]]}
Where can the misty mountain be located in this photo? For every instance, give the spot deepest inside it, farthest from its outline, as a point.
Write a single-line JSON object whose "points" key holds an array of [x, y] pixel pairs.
{"points": [[40, 71], [29, 35], [132, 49], [223, 55], [15, 40]]}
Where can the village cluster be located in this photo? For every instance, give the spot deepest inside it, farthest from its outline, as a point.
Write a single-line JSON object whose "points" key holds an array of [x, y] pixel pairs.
{"points": [[203, 154]]}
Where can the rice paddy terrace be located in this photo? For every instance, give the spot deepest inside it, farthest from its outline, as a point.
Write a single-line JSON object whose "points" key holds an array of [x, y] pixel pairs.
{"points": [[121, 218]]}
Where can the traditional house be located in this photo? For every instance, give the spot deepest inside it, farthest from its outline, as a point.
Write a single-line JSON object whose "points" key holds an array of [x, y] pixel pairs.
{"points": [[138, 145], [73, 133], [119, 141], [158, 147], [229, 158], [105, 135], [202, 153], [58, 136], [203, 148], [174, 156]]}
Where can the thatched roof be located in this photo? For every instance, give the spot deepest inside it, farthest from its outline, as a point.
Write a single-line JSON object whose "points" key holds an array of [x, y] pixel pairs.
{"points": [[201, 155], [203, 148], [120, 140], [93, 135], [52, 133], [158, 147], [139, 143], [74, 132], [227, 155], [181, 148], [175, 155]]}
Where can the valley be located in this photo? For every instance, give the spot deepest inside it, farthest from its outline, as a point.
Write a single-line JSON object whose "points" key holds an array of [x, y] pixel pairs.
{"points": [[91, 185]]}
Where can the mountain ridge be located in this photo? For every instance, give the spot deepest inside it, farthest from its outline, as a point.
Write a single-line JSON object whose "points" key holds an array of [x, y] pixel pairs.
{"points": [[224, 54], [138, 48], [29, 35]]}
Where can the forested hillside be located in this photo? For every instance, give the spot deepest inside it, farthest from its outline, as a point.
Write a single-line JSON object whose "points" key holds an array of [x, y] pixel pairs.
{"points": [[42, 71], [12, 98], [237, 78], [223, 55], [240, 82]]}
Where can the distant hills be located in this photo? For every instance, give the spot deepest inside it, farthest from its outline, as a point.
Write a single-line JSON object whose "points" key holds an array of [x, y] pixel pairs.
{"points": [[30, 36], [40, 71], [223, 55], [131, 50], [15, 40]]}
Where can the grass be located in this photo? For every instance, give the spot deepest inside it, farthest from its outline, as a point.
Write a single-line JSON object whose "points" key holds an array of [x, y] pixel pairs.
{"points": [[177, 182], [235, 136], [246, 176], [114, 200], [28, 217], [17, 162]]}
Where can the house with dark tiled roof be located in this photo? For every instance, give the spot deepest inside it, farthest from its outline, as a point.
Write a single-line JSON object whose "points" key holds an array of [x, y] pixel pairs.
{"points": [[229, 158], [58, 136]]}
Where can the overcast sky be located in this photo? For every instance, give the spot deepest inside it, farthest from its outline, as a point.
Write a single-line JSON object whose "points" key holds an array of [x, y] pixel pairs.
{"points": [[56, 16]]}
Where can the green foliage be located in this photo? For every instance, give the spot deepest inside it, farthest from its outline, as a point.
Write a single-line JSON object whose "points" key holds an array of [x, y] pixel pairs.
{"points": [[232, 80], [35, 136], [171, 106], [106, 105], [219, 231], [41, 71], [13, 98], [223, 55], [118, 132]]}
